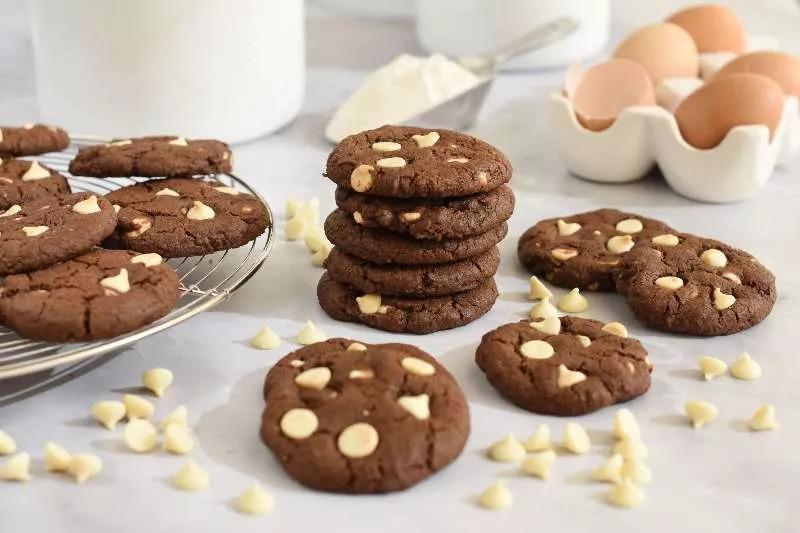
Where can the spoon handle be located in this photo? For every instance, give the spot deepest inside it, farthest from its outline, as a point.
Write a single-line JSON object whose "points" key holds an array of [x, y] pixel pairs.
{"points": [[539, 37]]}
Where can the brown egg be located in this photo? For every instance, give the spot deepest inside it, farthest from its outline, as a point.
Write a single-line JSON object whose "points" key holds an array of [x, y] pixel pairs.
{"points": [[707, 115], [781, 67], [607, 88], [664, 50], [714, 28]]}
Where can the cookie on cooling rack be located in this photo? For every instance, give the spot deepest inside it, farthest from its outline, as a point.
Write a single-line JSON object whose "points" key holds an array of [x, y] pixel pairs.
{"points": [[162, 156], [180, 217], [98, 295], [22, 181], [31, 139]]}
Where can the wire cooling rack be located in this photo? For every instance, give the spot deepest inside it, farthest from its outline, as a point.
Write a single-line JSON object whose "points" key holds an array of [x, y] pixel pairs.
{"points": [[205, 281]]}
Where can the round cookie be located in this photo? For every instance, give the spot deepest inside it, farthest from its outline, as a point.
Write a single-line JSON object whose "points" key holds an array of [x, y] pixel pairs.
{"points": [[563, 374], [698, 286], [430, 218], [158, 156], [404, 314], [383, 246], [371, 419], [31, 139], [184, 217], [412, 280], [22, 181], [98, 295], [406, 162], [584, 250], [42, 232]]}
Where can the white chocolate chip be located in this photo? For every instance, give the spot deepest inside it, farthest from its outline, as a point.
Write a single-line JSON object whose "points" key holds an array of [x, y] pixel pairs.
{"points": [[166, 191], [630, 448], [567, 228], [615, 328], [299, 423], [568, 378], [539, 464], [177, 439], [84, 466], [701, 413], [34, 231], [563, 254], [539, 439], [358, 440], [87, 206], [108, 413], [227, 190], [763, 419], [537, 349], [369, 304], [543, 309], [148, 260], [294, 229], [507, 450], [179, 416], [427, 140], [28, 126], [386, 146], [635, 470], [200, 211], [458, 160], [667, 239], [669, 282], [408, 218], [141, 225], [620, 244], [7, 443], [17, 468], [418, 406], [140, 435], [35, 172], [318, 258], [118, 283], [711, 367], [361, 179], [417, 366], [550, 325], [356, 347], [482, 178], [310, 334], [361, 374], [625, 494], [191, 477], [733, 277], [626, 426], [584, 340], [178, 141], [316, 378], [610, 471], [714, 258], [56, 458], [630, 225], [291, 207], [391, 162], [576, 440], [723, 301], [316, 240], [297, 363], [123, 142], [256, 501], [137, 407], [745, 368], [13, 210], [358, 218], [157, 380], [496, 498], [308, 212], [265, 339], [573, 302], [537, 289]]}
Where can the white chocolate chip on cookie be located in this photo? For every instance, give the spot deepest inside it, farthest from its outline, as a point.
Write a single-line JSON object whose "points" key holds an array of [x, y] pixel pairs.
{"points": [[358, 440], [714, 258], [118, 283], [35, 172], [137, 407], [157, 380], [576, 440], [84, 466], [539, 464], [123, 142], [543, 309], [191, 477], [427, 140], [17, 468], [361, 179], [408, 218], [550, 325], [567, 228], [701, 413], [615, 328], [56, 458], [34, 231], [148, 260], [763, 419], [316, 378], [620, 244], [265, 339], [299, 423], [630, 225], [507, 450], [418, 406], [667, 239], [369, 304], [391, 162], [166, 191], [358, 218], [13, 210], [140, 225], [733, 277], [568, 378], [573, 302], [537, 349], [227, 190], [200, 211], [356, 347], [669, 282], [563, 254], [458, 160], [87, 206], [310, 334], [610, 471], [386, 146], [178, 141], [711, 367], [537, 289], [496, 498], [539, 439], [745, 368], [723, 301], [584, 340], [108, 413], [361, 374], [140, 435], [255, 501], [417, 366]]}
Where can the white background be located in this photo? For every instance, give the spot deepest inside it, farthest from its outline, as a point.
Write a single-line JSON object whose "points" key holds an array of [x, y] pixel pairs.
{"points": [[723, 478]]}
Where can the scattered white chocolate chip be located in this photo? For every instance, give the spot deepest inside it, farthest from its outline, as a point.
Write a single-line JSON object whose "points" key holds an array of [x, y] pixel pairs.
{"points": [[635, 469], [291, 207], [310, 334], [539, 464], [538, 290], [157, 380], [200, 211], [386, 146], [265, 339], [723, 301], [108, 413], [316, 378], [669, 282], [34, 231], [316, 240], [667, 239], [227, 190], [141, 225], [356, 347], [711, 367], [745, 367], [625, 494], [567, 228], [630, 225], [179, 417], [626, 426], [550, 325], [584, 340], [537, 349], [7, 443], [568, 378], [13, 210], [177, 439], [417, 366], [563, 254], [620, 244], [148, 260], [369, 304], [137, 407], [610, 471], [357, 440], [84, 466], [299, 423], [576, 440], [17, 468], [573, 302], [166, 191], [118, 283], [256, 501], [178, 141], [615, 328], [543, 309], [763, 419], [733, 277], [35, 172], [458, 160], [539, 439], [700, 412], [56, 458], [318, 258], [427, 140], [140, 435], [631, 449], [408, 218], [294, 229], [714, 258], [418, 406], [361, 179], [496, 498], [191, 477], [391, 162], [507, 450]]}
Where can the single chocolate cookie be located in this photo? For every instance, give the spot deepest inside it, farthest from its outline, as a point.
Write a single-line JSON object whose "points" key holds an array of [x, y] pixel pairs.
{"points": [[31, 139], [384, 246], [584, 250], [406, 162], [41, 232], [342, 416], [164, 156], [403, 314], [180, 217], [696, 286], [98, 295], [23, 181], [568, 366], [412, 280], [430, 218]]}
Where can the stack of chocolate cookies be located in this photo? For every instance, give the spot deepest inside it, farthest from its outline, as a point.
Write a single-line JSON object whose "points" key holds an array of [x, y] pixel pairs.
{"points": [[419, 216]]}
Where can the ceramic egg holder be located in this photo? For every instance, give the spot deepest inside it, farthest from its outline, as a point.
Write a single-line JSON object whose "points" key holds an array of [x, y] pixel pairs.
{"points": [[644, 136]]}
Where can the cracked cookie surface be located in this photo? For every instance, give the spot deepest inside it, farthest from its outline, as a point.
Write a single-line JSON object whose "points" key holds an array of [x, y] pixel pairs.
{"points": [[409, 407], [42, 232], [98, 295], [31, 139], [157, 156], [180, 217], [21, 181], [561, 374]]}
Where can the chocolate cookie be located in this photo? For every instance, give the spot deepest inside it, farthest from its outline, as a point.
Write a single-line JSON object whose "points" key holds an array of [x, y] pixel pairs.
{"points": [[430, 218], [696, 286], [405, 162], [170, 157], [31, 139], [22, 181], [412, 280], [403, 314], [41, 232], [348, 417], [573, 367], [98, 295], [180, 217], [584, 250], [384, 246]]}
